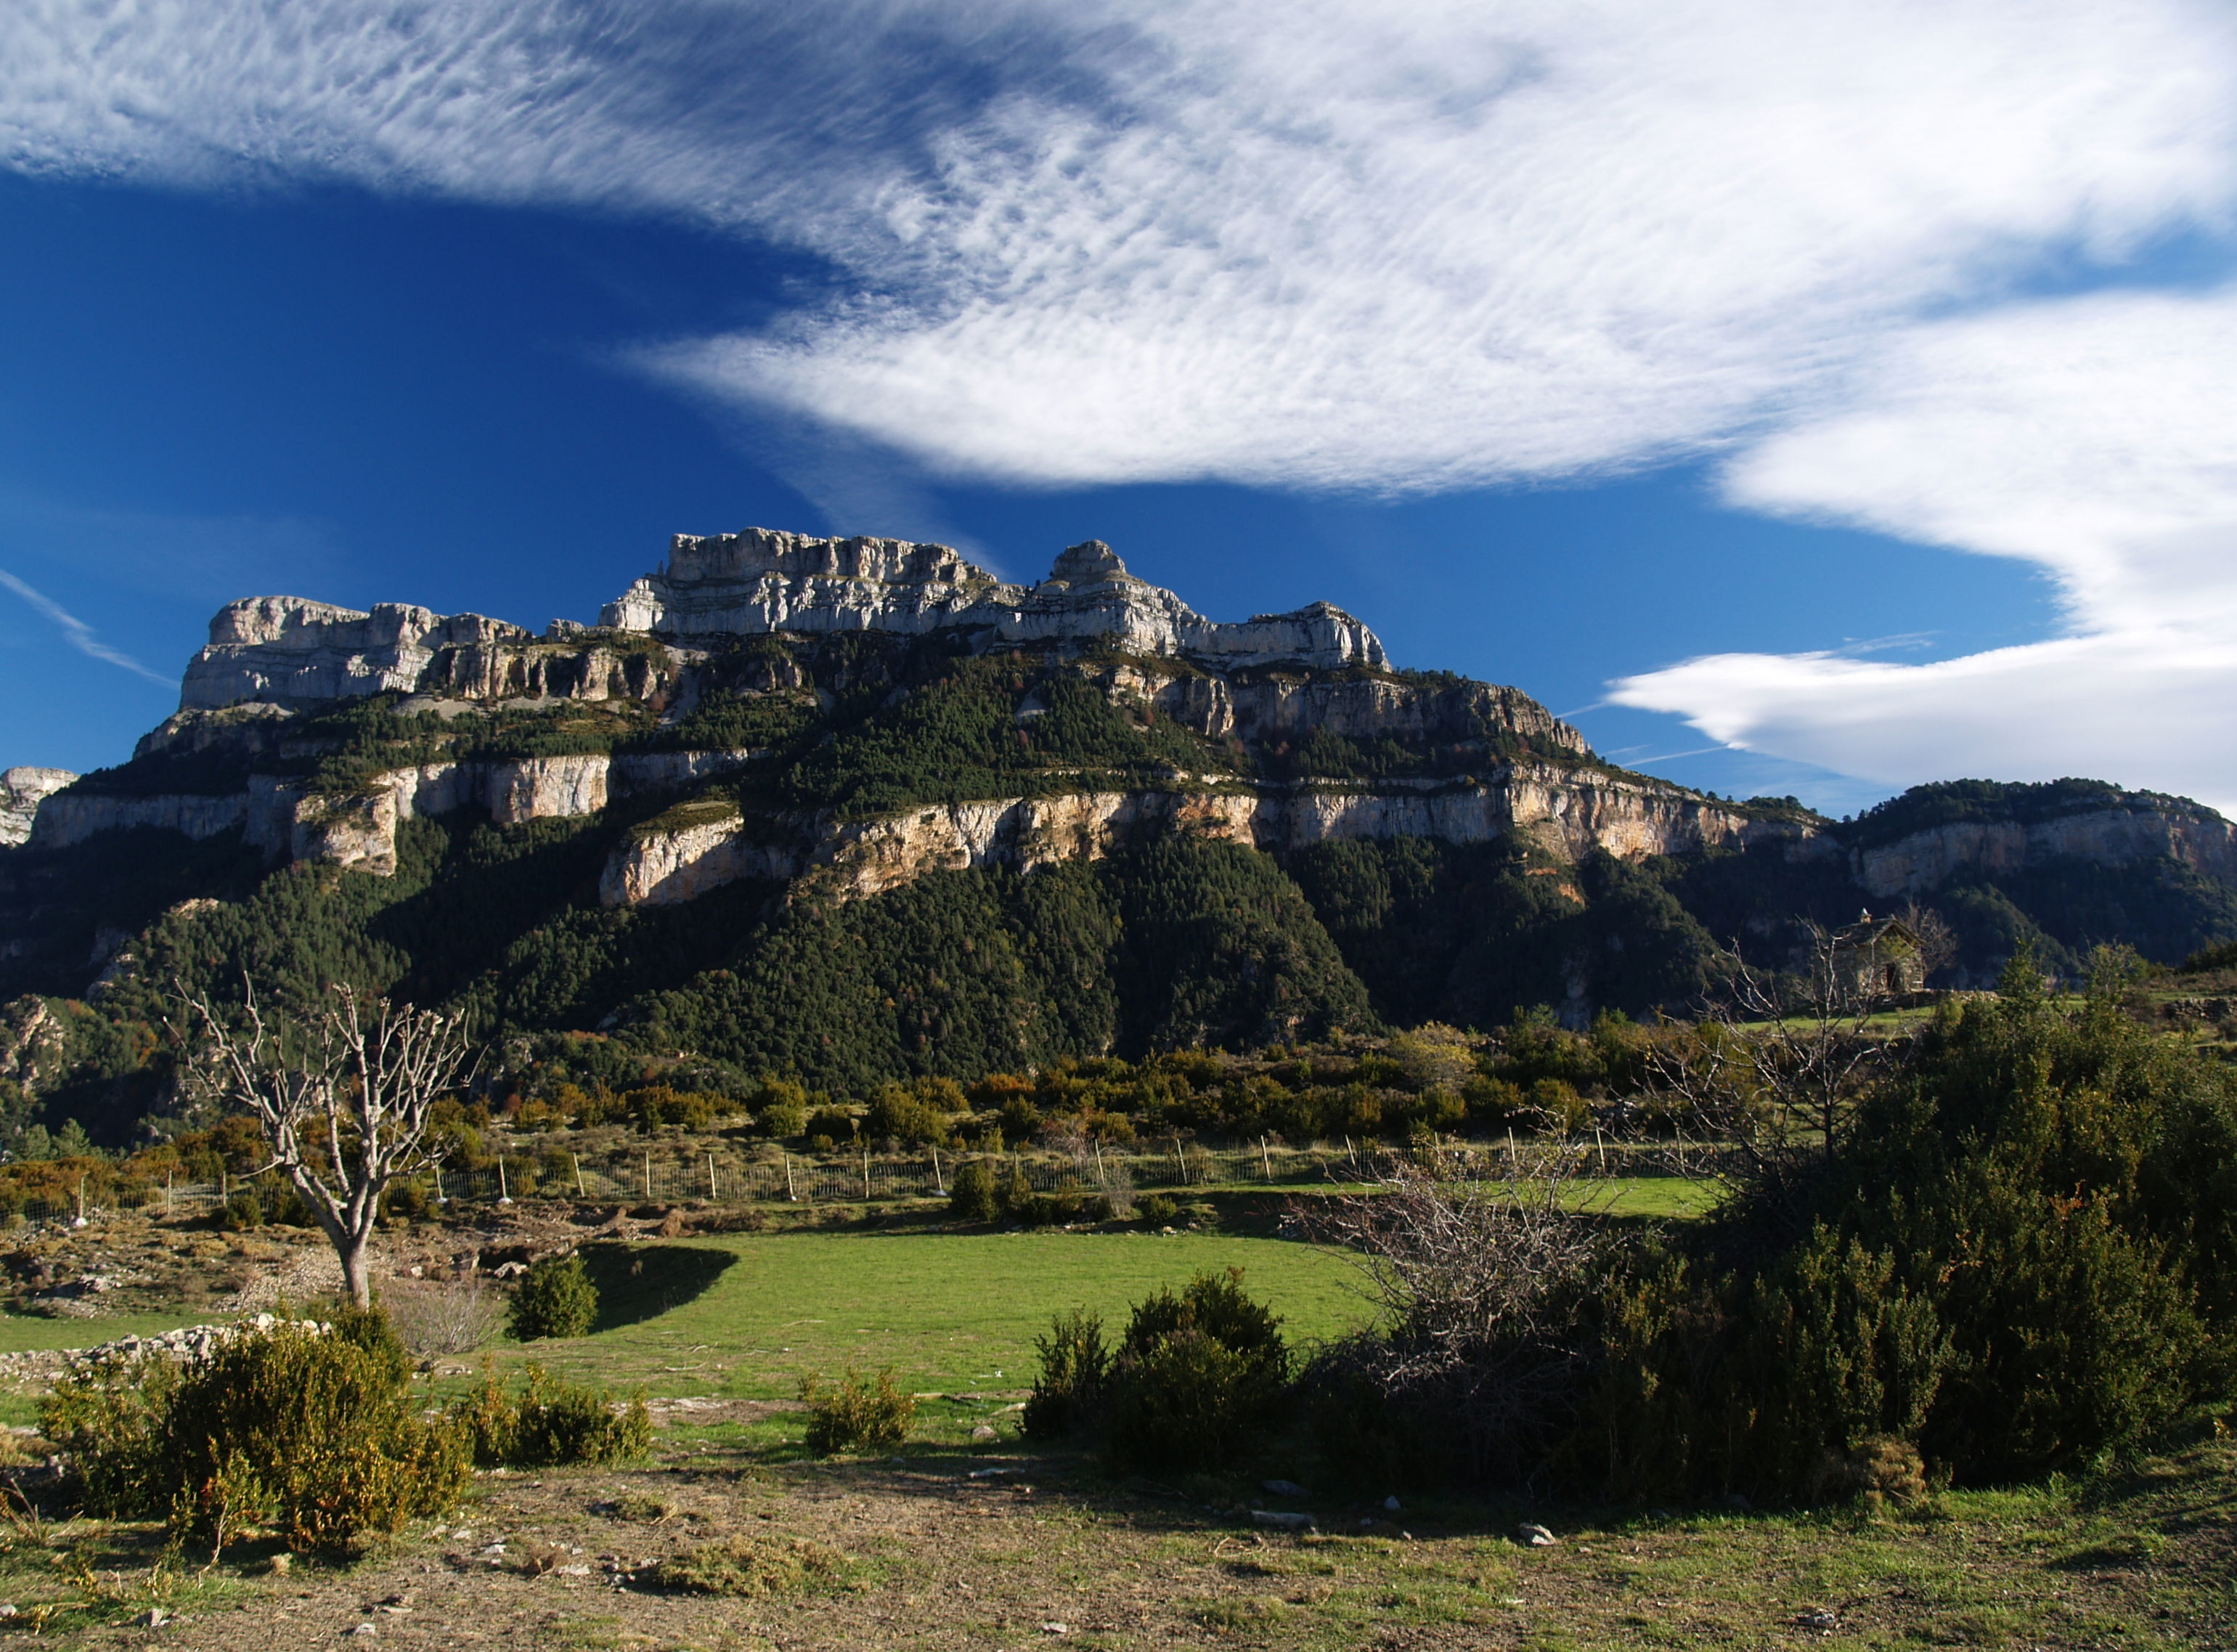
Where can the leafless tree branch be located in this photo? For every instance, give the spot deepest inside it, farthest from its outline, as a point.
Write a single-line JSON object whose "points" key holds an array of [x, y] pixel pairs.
{"points": [[344, 1100]]}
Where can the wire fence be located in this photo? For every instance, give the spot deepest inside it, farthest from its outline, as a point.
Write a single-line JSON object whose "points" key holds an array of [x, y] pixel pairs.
{"points": [[725, 1176]]}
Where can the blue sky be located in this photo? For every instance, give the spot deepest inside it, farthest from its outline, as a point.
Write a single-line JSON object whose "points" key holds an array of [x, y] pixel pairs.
{"points": [[1807, 399]]}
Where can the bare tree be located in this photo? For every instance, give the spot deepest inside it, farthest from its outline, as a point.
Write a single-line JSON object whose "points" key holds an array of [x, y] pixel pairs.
{"points": [[344, 1100], [1772, 1079], [1938, 941], [1477, 1262]]}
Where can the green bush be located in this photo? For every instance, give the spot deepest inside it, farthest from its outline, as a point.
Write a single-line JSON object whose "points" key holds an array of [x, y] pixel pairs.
{"points": [[916, 1114], [318, 1435], [972, 1196], [658, 1105], [1158, 1210], [556, 1298], [550, 1425], [2027, 1256], [1067, 1396], [831, 1127], [855, 1413], [1199, 1376], [754, 1566]]}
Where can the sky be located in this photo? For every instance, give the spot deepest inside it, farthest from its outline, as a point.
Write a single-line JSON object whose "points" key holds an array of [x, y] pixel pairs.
{"points": [[1810, 399]]}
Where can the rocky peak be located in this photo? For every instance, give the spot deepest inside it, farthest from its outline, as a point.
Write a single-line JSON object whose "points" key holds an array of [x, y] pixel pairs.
{"points": [[757, 581], [289, 650], [1089, 563]]}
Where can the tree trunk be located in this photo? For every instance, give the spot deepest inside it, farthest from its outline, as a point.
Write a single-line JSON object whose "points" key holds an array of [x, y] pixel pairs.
{"points": [[356, 1278]]}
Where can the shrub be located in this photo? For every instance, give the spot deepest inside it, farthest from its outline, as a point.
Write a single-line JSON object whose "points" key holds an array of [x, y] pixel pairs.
{"points": [[780, 1107], [2023, 1257], [855, 1413], [916, 1114], [556, 1298], [1067, 1396], [831, 1126], [319, 1434], [656, 1105], [972, 1196], [1187, 1400], [751, 1566], [550, 1425], [1160, 1210], [1199, 1376], [445, 1318]]}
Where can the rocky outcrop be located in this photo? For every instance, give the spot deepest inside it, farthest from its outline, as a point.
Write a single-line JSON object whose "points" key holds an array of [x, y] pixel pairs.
{"points": [[760, 581], [358, 829], [1569, 812], [709, 847], [286, 651], [289, 652], [69, 817], [1924, 861], [22, 790], [1271, 710]]}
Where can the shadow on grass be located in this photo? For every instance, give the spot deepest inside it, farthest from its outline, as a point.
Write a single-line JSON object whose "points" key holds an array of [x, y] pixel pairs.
{"points": [[640, 1282]]}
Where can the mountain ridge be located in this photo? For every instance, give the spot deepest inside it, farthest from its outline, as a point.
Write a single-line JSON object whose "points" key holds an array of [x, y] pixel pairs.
{"points": [[860, 851]]}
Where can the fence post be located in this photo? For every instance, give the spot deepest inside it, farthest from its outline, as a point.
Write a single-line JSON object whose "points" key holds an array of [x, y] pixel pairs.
{"points": [[503, 1196], [865, 1175], [577, 1158], [81, 1198], [1266, 1159], [1602, 1146], [712, 1196], [167, 1190], [1180, 1165], [939, 1181], [439, 1200], [647, 1178], [791, 1194]]}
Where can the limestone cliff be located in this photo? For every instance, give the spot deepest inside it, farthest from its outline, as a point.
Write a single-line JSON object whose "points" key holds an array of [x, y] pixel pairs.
{"points": [[22, 790], [1566, 812], [1920, 863]]}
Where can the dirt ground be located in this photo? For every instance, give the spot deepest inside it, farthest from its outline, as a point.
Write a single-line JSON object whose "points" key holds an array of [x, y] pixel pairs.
{"points": [[937, 1553]]}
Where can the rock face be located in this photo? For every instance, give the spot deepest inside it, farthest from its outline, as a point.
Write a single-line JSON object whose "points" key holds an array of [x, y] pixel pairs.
{"points": [[1924, 861], [70, 818], [21, 792], [286, 650], [759, 581], [1626, 816]]}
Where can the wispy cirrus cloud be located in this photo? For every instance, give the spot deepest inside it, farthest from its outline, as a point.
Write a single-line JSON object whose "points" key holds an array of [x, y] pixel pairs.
{"points": [[1421, 246], [77, 633]]}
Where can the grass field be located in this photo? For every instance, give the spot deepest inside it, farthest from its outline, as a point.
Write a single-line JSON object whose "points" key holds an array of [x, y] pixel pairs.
{"points": [[720, 1328], [950, 1312]]}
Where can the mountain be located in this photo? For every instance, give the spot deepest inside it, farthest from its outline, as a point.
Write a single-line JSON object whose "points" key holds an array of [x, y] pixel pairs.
{"points": [[855, 809]]}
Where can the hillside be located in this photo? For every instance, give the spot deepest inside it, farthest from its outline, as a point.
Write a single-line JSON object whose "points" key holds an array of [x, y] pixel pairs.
{"points": [[853, 809]]}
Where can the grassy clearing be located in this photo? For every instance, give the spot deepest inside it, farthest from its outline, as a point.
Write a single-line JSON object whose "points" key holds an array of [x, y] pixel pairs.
{"points": [[909, 1550], [951, 1312]]}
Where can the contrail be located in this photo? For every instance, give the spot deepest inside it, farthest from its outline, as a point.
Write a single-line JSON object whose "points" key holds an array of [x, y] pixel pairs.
{"points": [[79, 633]]}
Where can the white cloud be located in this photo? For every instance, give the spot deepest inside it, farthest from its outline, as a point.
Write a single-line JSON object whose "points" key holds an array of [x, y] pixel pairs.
{"points": [[1466, 244], [1406, 247], [1413, 246], [2095, 437]]}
